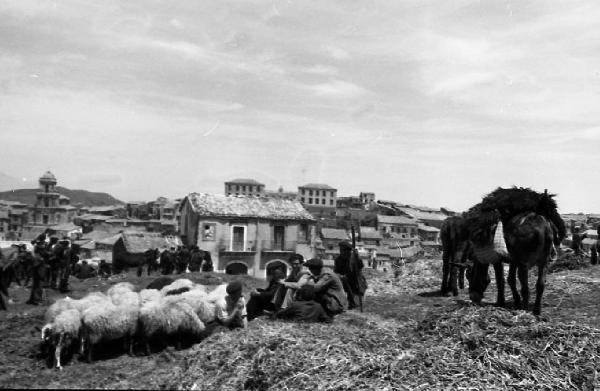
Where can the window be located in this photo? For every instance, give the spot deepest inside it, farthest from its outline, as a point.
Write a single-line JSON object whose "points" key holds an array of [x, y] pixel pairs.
{"points": [[46, 202], [303, 192], [209, 232], [310, 192], [323, 201], [238, 238], [303, 233], [302, 199], [237, 188], [310, 200], [316, 201], [243, 187], [44, 219], [330, 202], [46, 188]]}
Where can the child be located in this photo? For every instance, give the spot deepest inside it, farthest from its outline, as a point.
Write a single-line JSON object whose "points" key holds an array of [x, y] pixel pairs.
{"points": [[233, 313]]}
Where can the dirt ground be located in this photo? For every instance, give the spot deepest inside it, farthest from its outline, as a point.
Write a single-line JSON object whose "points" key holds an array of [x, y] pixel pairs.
{"points": [[571, 296]]}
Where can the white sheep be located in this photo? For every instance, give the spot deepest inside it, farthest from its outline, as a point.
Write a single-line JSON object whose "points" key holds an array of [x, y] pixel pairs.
{"points": [[127, 299], [147, 295], [176, 285], [198, 300], [93, 298], [120, 288], [61, 333], [162, 318], [107, 323], [217, 295]]}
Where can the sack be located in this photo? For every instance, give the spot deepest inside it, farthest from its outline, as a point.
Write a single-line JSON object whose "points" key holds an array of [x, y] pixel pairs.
{"points": [[499, 242]]}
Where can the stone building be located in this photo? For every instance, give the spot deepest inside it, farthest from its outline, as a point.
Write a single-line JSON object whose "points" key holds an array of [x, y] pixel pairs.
{"points": [[247, 235], [247, 187], [319, 199], [51, 207]]}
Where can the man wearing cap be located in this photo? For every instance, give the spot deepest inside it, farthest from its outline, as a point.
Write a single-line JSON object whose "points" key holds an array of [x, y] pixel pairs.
{"points": [[348, 266], [329, 290], [233, 313]]}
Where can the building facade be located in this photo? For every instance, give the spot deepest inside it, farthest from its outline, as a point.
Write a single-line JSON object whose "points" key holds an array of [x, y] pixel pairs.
{"points": [[247, 235], [319, 199], [51, 207], [247, 187]]}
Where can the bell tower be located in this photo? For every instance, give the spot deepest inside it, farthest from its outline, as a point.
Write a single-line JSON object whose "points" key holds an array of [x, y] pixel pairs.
{"points": [[47, 200]]}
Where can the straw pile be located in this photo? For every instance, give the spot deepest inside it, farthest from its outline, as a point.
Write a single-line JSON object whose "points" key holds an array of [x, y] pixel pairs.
{"points": [[420, 275], [568, 261], [470, 347]]}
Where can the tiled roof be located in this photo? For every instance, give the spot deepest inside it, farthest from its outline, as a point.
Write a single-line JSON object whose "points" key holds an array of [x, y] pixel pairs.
{"points": [[105, 208], [334, 233], [417, 214], [317, 186], [427, 228], [244, 181], [241, 206], [138, 242], [396, 220], [369, 233]]}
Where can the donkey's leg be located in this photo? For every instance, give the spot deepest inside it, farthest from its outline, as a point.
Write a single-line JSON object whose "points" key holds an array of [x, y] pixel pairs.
{"points": [[512, 282], [445, 272], [539, 289], [499, 273], [453, 280], [524, 280]]}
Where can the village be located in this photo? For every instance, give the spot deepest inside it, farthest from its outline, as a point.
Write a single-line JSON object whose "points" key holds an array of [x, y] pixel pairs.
{"points": [[246, 229]]}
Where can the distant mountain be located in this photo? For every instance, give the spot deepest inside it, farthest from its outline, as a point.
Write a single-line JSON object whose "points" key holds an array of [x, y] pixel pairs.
{"points": [[83, 197], [8, 182]]}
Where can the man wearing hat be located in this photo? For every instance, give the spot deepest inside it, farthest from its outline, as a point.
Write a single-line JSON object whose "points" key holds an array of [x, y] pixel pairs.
{"points": [[38, 271], [232, 313], [348, 266], [329, 290], [68, 255]]}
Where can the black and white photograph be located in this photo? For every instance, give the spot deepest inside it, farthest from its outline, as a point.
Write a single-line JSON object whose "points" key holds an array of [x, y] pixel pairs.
{"points": [[300, 195]]}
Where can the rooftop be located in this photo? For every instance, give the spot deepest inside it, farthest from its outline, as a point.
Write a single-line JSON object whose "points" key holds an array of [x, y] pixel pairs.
{"points": [[48, 177], [245, 181], [427, 228], [334, 233], [241, 206], [317, 186], [369, 233], [421, 215], [396, 220], [138, 242]]}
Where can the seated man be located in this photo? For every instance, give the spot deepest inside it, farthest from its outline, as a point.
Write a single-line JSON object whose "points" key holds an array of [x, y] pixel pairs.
{"points": [[85, 270], [233, 313], [305, 308], [328, 288], [262, 299]]}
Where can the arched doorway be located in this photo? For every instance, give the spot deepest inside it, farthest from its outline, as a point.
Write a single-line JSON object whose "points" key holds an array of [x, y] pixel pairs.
{"points": [[236, 268], [277, 264]]}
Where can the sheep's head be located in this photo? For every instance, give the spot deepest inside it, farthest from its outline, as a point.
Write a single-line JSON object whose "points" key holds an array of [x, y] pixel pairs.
{"points": [[46, 332]]}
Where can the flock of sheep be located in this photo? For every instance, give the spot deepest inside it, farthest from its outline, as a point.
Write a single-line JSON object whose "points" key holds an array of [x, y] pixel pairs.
{"points": [[178, 310]]}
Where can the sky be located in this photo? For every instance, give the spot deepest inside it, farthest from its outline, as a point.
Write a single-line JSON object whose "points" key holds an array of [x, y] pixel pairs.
{"points": [[433, 103]]}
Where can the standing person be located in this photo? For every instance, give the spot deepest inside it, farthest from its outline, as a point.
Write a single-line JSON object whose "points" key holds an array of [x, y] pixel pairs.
{"points": [[166, 261], [576, 243], [195, 259], [374, 259], [349, 267], [149, 260], [64, 265], [54, 250], [329, 289], [183, 259], [104, 269], [233, 313], [207, 265], [39, 269]]}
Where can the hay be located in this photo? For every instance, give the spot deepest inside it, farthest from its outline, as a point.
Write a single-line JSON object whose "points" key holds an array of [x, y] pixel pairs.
{"points": [[472, 347]]}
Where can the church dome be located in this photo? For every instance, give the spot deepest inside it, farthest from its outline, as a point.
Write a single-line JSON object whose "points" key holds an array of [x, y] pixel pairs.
{"points": [[48, 177]]}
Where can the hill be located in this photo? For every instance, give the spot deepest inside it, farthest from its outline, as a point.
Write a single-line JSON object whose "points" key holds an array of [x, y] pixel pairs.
{"points": [[83, 197]]}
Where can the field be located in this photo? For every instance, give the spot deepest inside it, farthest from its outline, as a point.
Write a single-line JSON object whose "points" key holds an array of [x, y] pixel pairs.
{"points": [[407, 338]]}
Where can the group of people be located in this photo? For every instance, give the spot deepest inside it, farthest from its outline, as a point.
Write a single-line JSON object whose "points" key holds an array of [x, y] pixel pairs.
{"points": [[176, 260], [310, 293], [49, 265]]}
